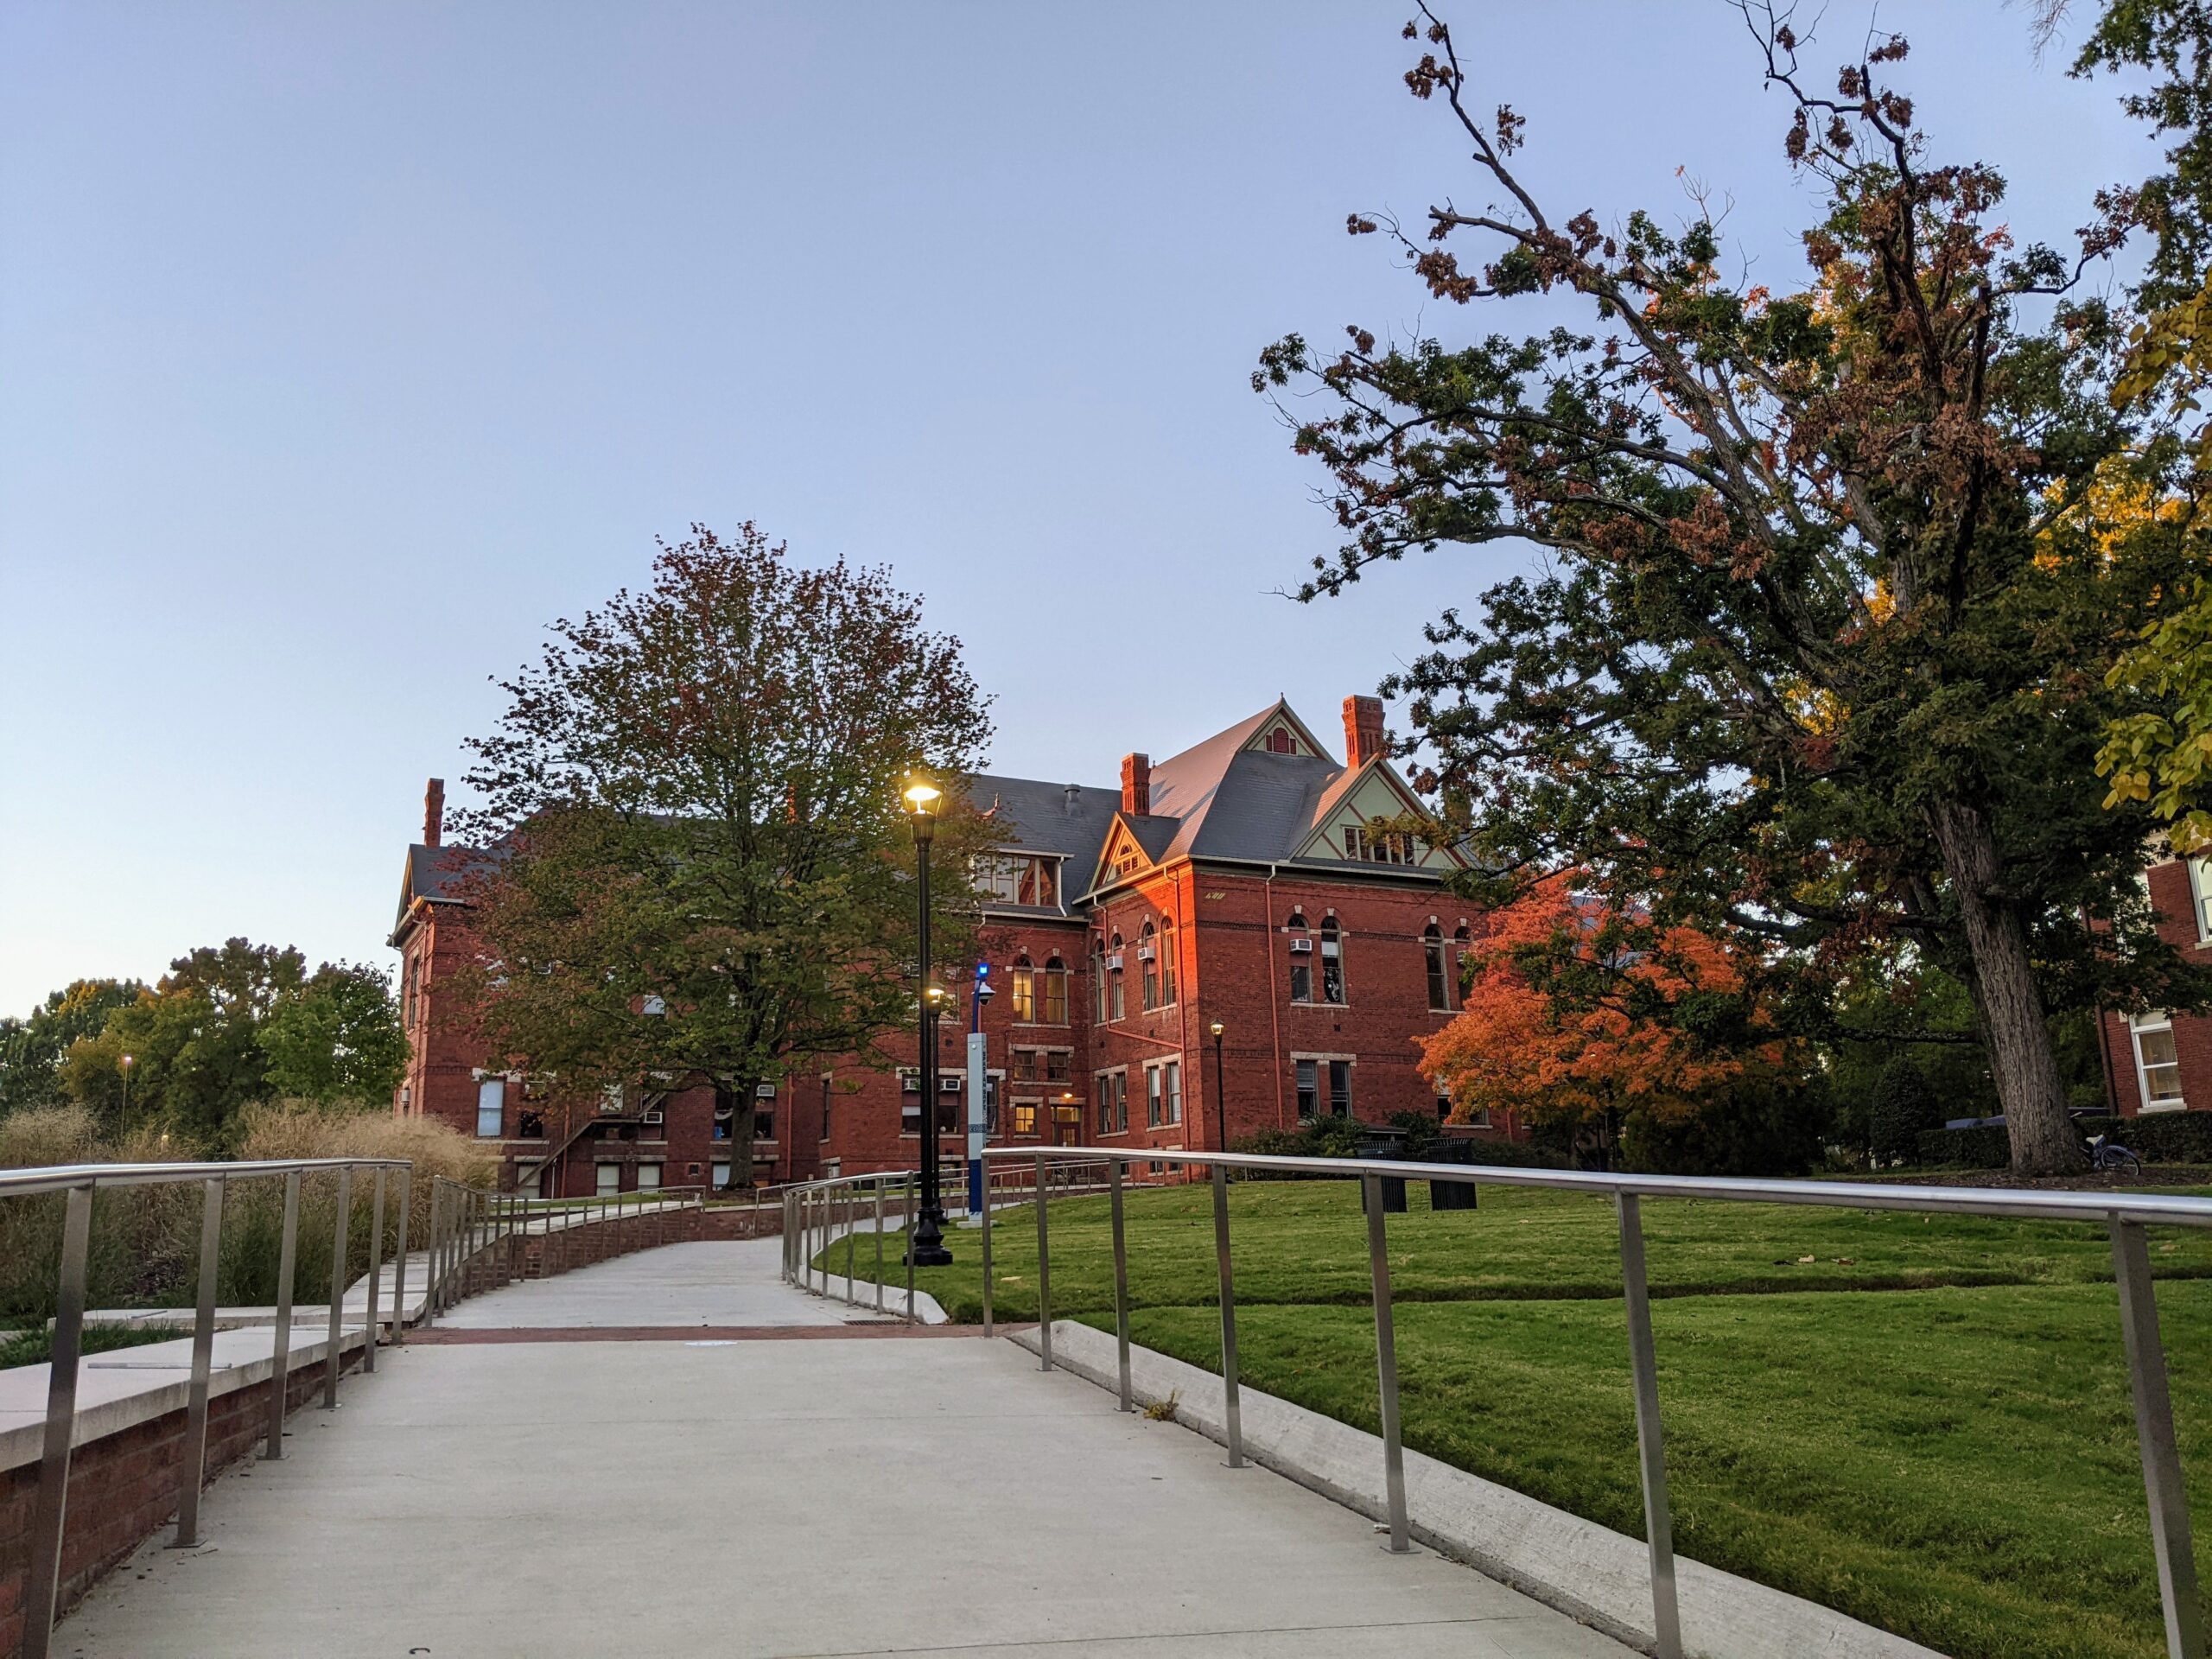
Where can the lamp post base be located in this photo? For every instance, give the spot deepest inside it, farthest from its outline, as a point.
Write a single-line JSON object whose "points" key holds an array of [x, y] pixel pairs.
{"points": [[927, 1249]]}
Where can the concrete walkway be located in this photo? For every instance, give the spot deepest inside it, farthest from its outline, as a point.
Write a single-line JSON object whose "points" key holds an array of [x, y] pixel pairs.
{"points": [[487, 1497]]}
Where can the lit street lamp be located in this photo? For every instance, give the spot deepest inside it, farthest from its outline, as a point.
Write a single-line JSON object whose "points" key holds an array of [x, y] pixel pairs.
{"points": [[1220, 1100], [126, 1090], [925, 1247]]}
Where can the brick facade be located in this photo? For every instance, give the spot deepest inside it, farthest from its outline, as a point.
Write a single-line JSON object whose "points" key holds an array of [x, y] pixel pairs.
{"points": [[2153, 1064], [1247, 865]]}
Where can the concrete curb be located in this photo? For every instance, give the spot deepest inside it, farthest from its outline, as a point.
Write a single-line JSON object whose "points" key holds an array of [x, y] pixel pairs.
{"points": [[1586, 1570], [927, 1310]]}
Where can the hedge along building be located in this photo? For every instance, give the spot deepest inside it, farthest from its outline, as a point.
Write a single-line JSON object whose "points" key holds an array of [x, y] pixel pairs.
{"points": [[1247, 882]]}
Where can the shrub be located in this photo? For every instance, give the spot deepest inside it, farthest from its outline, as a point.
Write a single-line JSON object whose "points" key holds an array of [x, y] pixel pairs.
{"points": [[1757, 1128], [145, 1241], [2178, 1138], [1904, 1109]]}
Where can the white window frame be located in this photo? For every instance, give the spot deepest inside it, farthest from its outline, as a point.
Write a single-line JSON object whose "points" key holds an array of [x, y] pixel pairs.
{"points": [[2199, 894], [602, 1187], [2152, 1024], [718, 1172], [652, 1170], [491, 1096]]}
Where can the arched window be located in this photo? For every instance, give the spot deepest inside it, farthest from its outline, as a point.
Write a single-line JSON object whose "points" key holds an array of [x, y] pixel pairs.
{"points": [[1166, 961], [1332, 961], [1024, 991], [1116, 1004], [1301, 958], [1440, 978], [1148, 960], [1052, 987], [1097, 981]]}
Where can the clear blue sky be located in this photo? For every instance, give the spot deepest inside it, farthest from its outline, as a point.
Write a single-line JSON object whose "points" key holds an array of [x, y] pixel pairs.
{"points": [[341, 347]]}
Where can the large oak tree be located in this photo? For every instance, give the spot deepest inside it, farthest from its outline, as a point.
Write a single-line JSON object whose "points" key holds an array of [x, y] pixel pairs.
{"points": [[1833, 576], [701, 866]]}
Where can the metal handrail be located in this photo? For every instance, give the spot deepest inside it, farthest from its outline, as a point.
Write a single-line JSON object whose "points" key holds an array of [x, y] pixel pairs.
{"points": [[811, 1211], [80, 1182], [2124, 1215], [468, 1223]]}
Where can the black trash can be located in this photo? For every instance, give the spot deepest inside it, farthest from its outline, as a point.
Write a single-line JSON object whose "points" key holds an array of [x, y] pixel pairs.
{"points": [[1451, 1195], [1381, 1143]]}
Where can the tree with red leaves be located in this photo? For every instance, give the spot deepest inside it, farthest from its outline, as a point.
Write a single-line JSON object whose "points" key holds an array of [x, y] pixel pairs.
{"points": [[1577, 1017]]}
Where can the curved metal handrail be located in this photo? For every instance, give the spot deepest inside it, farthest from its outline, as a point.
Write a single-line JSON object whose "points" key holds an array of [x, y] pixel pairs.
{"points": [[59, 1177], [2123, 1215]]}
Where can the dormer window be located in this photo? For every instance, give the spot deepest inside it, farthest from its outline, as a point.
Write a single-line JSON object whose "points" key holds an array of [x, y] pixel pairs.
{"points": [[1280, 742], [1387, 847], [1031, 880]]}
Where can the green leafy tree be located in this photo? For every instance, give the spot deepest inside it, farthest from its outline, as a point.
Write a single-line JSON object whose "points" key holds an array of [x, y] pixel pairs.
{"points": [[703, 868], [1833, 584], [339, 1038], [194, 1043], [31, 1049]]}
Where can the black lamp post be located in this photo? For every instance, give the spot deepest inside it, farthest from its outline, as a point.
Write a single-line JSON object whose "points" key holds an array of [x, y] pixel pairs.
{"points": [[1220, 1100], [925, 1249]]}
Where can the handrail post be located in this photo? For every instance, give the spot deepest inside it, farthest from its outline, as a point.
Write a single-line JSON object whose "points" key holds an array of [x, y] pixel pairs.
{"points": [[986, 1224], [1658, 1516], [1043, 1278], [42, 1594], [879, 1246], [336, 1356], [399, 1261], [1232, 1404], [280, 1378], [192, 1463], [1386, 1365], [1121, 1284], [851, 1245], [910, 1248], [2154, 1435], [376, 1269]]}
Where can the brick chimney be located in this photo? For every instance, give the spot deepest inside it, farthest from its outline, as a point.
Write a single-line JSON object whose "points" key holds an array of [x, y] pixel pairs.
{"points": [[434, 812], [1363, 730], [1136, 785]]}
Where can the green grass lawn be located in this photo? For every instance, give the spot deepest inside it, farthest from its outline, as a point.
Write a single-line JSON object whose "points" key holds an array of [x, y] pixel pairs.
{"points": [[1926, 1425]]}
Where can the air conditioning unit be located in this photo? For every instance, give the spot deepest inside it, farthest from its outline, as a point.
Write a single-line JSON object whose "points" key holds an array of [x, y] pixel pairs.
{"points": [[1144, 953], [1329, 947], [656, 1118], [910, 1081], [948, 1085], [1113, 963], [1300, 947], [764, 1091]]}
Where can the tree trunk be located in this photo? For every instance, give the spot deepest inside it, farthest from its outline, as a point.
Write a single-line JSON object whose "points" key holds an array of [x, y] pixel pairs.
{"points": [[2008, 1003], [743, 1100]]}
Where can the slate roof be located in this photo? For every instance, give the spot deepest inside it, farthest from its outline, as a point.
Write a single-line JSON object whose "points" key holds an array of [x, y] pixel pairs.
{"points": [[1216, 799]]}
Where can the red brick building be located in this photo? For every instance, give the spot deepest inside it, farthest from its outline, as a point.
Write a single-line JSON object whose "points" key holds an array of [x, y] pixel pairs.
{"points": [[2156, 1062], [1243, 883]]}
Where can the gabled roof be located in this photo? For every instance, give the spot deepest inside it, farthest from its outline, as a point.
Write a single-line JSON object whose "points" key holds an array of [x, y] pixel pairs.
{"points": [[434, 874]]}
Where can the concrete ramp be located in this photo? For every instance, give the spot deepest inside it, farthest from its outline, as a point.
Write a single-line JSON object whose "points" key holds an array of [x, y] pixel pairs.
{"points": [[575, 1493]]}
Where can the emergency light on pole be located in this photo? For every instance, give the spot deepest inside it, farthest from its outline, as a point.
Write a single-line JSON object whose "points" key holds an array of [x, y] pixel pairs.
{"points": [[978, 1088]]}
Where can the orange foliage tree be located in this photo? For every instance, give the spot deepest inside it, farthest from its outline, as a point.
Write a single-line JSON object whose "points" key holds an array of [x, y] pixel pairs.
{"points": [[1577, 1017]]}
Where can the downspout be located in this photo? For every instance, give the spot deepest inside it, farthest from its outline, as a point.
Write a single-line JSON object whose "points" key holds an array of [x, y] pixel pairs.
{"points": [[1275, 1004], [1186, 989]]}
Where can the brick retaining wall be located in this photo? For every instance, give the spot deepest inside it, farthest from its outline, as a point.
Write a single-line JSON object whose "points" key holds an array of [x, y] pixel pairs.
{"points": [[124, 1489]]}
